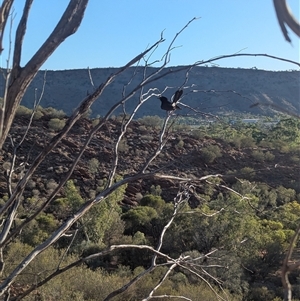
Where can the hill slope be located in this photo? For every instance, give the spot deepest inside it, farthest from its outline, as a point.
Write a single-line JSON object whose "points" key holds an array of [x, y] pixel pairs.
{"points": [[65, 89], [182, 156]]}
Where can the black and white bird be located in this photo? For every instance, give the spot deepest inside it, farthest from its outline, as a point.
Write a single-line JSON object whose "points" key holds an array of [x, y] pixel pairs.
{"points": [[168, 105]]}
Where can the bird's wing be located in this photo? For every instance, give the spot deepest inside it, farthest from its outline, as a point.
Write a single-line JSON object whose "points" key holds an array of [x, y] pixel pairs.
{"points": [[163, 98], [177, 95]]}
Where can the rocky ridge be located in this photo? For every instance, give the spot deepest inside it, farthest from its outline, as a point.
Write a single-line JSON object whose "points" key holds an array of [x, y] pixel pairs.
{"points": [[180, 157], [208, 89]]}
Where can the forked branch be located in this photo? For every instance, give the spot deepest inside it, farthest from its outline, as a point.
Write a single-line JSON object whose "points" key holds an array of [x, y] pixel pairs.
{"points": [[22, 77], [4, 13], [285, 17], [288, 267]]}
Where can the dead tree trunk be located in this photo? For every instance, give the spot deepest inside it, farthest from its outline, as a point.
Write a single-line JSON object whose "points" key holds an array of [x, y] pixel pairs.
{"points": [[19, 78]]}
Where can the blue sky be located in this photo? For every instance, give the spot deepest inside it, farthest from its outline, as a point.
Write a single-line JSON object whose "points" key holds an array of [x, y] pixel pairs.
{"points": [[114, 31]]}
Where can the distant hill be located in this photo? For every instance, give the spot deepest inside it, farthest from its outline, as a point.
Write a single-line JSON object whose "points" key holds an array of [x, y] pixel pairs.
{"points": [[65, 89]]}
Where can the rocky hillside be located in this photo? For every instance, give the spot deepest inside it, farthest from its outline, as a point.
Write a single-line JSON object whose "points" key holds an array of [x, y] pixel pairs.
{"points": [[182, 156], [65, 89]]}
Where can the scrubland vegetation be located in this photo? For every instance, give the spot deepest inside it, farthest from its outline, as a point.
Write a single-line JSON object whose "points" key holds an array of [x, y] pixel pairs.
{"points": [[236, 228]]}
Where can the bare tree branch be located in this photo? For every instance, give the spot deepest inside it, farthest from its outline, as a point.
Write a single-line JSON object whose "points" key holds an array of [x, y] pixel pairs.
{"points": [[287, 267], [4, 13], [160, 282], [285, 17], [83, 107], [20, 33], [22, 77]]}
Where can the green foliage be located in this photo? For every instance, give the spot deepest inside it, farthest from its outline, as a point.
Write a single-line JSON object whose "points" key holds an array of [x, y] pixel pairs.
{"points": [[288, 215], [91, 285], [70, 203], [123, 146], [151, 121], [51, 184], [140, 216], [53, 113], [95, 121], [102, 223], [143, 129], [153, 201], [93, 166], [258, 155], [250, 233], [287, 130], [23, 111], [210, 153], [181, 127], [261, 293], [39, 229], [47, 222], [73, 197], [38, 115], [262, 156], [198, 133], [236, 141], [56, 124], [94, 285], [6, 165], [269, 156], [180, 144], [285, 195], [155, 190], [247, 142], [247, 173]]}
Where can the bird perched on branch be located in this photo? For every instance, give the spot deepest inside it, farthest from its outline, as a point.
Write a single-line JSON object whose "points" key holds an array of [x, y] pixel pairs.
{"points": [[168, 105]]}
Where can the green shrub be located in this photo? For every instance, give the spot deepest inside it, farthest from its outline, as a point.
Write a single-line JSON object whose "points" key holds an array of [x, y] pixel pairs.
{"points": [[182, 127], [236, 141], [198, 134], [151, 121], [6, 165], [123, 146], [180, 144], [269, 156], [143, 129], [262, 156], [51, 184], [93, 166], [247, 142], [56, 124], [247, 173], [54, 113], [265, 144], [261, 293], [258, 155], [139, 216], [31, 184], [155, 190], [95, 121], [38, 115], [210, 153], [39, 229], [295, 159], [282, 146], [91, 285], [23, 111], [153, 201]]}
